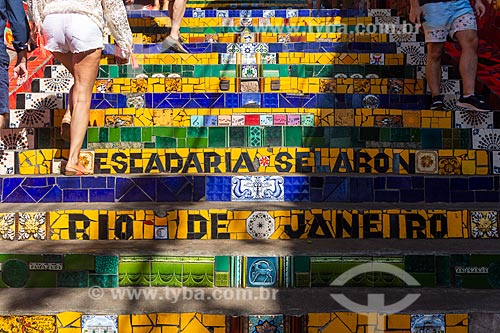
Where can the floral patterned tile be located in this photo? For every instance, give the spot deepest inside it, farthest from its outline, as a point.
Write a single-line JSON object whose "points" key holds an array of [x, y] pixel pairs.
{"points": [[92, 323], [426, 161], [260, 225], [32, 226], [484, 224], [7, 226], [266, 323], [257, 188]]}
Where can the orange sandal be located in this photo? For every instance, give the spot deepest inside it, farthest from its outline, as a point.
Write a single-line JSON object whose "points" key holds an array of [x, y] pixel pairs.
{"points": [[76, 170], [65, 127]]}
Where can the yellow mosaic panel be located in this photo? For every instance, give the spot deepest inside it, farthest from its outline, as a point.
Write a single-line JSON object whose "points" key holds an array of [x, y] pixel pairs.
{"points": [[7, 226], [347, 322], [45, 324], [288, 224], [402, 118], [172, 323], [277, 160]]}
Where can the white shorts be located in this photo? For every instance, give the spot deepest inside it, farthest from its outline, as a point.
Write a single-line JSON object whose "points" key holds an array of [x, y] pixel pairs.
{"points": [[71, 32]]}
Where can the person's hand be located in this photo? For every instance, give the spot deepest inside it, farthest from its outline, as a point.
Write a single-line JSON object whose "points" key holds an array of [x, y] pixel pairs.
{"points": [[415, 14], [20, 69], [479, 8]]}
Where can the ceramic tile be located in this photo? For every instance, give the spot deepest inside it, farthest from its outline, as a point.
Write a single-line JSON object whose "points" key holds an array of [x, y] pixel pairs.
{"points": [[371, 102], [249, 86], [269, 58], [55, 85], [266, 323], [260, 225], [238, 120], [7, 226], [17, 139], [257, 188], [426, 161], [266, 119], [402, 37], [228, 59], [376, 58], [268, 13], [484, 224], [7, 162], [249, 71], [87, 158], [468, 119], [33, 118], [379, 12], [44, 101], [32, 226], [415, 52], [262, 271], [495, 162], [430, 322], [161, 232], [222, 13], [96, 323], [488, 139]]}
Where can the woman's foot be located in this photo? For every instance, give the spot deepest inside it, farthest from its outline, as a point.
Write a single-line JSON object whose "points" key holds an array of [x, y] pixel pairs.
{"points": [[76, 170], [65, 126]]}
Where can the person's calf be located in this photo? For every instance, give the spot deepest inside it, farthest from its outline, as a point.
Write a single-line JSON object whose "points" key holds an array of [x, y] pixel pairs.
{"points": [[4, 120]]}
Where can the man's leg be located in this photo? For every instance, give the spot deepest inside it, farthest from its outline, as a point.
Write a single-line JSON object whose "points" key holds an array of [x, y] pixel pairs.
{"points": [[433, 67], [178, 8], [4, 87], [468, 41]]}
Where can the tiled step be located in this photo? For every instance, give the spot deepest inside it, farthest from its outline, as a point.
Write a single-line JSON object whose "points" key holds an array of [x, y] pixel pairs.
{"points": [[378, 118], [423, 189], [87, 270], [234, 222], [126, 159]]}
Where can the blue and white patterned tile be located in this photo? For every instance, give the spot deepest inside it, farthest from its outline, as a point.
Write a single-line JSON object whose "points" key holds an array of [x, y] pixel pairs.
{"points": [[245, 13], [414, 51], [57, 71], [269, 13], [257, 188], [161, 232], [495, 162], [381, 20], [450, 87], [262, 272], [266, 120], [228, 59], [292, 13], [246, 22], [33, 118], [260, 225], [488, 139], [198, 13], [7, 162], [402, 37], [197, 121], [233, 48], [96, 323], [266, 323], [222, 13], [44, 101], [269, 58], [469, 119], [421, 322], [379, 12]]}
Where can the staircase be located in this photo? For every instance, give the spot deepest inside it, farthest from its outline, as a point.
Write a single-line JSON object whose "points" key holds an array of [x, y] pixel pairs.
{"points": [[234, 185]]}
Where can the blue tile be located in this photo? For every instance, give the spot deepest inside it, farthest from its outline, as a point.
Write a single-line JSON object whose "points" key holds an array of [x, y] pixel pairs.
{"points": [[361, 189], [111, 182], [94, 182], [481, 183], [37, 193], [417, 182], [262, 272], [386, 196], [123, 185], [147, 185], [135, 194], [10, 184], [459, 184], [102, 195], [35, 181], [75, 195], [199, 188], [54, 195], [18, 196], [218, 188], [437, 189], [462, 196], [69, 182], [412, 195], [336, 189], [379, 183], [487, 196], [399, 182]]}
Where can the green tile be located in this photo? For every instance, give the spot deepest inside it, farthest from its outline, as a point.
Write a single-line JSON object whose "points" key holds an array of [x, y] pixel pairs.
{"points": [[222, 263], [180, 132], [443, 273], [217, 137], [314, 131], [149, 145], [168, 274], [147, 134], [302, 280], [273, 136], [237, 137], [198, 274], [79, 262], [106, 264], [113, 72], [42, 279], [93, 134], [161, 131], [425, 279], [114, 135], [197, 143], [75, 279], [420, 263], [254, 136], [293, 136], [311, 142], [476, 281], [131, 134], [385, 134], [197, 132], [134, 273], [103, 134], [302, 264], [103, 280], [164, 142], [222, 279]]}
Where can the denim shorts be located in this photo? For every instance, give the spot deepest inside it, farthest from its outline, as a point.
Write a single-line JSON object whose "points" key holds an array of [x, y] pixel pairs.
{"points": [[446, 18], [71, 32]]}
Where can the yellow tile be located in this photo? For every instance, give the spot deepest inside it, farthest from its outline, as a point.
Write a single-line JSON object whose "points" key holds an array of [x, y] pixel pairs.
{"points": [[468, 167], [318, 319], [69, 330], [214, 320], [398, 321], [459, 319], [141, 319], [168, 319]]}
